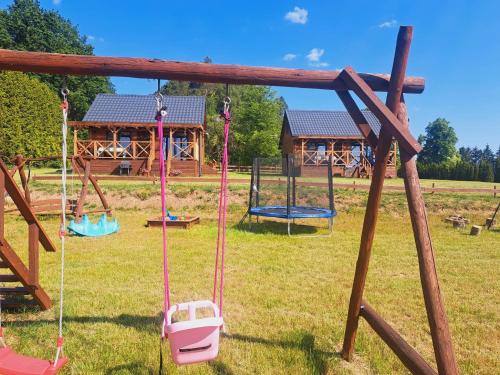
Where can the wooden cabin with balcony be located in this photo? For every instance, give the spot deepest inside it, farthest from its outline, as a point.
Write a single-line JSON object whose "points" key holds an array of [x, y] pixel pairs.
{"points": [[313, 136], [118, 135]]}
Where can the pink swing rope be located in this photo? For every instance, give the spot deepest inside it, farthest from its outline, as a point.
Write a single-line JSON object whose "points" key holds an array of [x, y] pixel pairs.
{"points": [[223, 198], [161, 113], [222, 219]]}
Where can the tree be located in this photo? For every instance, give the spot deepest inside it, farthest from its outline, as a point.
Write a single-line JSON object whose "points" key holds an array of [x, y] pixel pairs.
{"points": [[476, 155], [26, 26], [31, 117], [488, 155], [438, 142], [497, 168], [465, 154], [485, 171]]}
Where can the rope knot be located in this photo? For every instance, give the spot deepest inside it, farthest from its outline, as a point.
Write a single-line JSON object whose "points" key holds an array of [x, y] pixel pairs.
{"points": [[62, 231], [60, 341]]}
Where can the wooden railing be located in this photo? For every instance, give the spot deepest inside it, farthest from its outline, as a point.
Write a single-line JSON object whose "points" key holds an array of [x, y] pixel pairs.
{"points": [[113, 150], [183, 151], [339, 158]]}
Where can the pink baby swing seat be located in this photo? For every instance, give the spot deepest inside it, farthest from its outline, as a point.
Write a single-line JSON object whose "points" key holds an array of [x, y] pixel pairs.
{"points": [[197, 339]]}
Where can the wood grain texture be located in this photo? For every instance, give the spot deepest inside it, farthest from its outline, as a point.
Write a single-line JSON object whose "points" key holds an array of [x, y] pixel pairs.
{"points": [[53, 63]]}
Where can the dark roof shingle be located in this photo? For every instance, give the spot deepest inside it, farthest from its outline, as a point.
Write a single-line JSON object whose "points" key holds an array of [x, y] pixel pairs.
{"points": [[327, 123], [142, 109]]}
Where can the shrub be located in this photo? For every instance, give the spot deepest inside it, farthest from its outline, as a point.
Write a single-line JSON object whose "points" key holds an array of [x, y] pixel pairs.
{"points": [[31, 117]]}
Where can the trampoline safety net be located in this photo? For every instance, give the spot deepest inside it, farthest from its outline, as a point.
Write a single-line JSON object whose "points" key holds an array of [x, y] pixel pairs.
{"points": [[284, 188]]}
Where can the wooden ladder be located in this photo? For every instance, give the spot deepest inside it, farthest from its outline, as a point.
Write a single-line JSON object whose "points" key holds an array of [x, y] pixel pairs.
{"points": [[23, 287]]}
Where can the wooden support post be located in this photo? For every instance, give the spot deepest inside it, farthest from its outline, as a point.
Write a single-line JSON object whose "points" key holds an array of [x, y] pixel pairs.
{"points": [[170, 151], [86, 164], [2, 205], [20, 162], [83, 193], [115, 141], [436, 314], [375, 194], [24, 208], [33, 251], [75, 141], [410, 358]]}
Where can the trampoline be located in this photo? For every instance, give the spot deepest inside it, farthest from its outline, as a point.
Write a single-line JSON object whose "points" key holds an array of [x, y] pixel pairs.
{"points": [[285, 188], [299, 212]]}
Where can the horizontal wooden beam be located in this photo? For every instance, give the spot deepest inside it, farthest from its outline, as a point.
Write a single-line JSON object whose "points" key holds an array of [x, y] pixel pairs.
{"points": [[54, 63], [99, 124], [408, 356], [388, 119]]}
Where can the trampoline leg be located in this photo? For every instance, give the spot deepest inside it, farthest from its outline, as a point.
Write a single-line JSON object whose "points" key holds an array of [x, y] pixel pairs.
{"points": [[289, 222], [330, 224], [249, 221]]}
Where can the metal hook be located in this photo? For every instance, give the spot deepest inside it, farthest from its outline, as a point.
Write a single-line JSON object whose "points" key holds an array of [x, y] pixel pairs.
{"points": [[159, 100], [64, 92], [227, 102]]}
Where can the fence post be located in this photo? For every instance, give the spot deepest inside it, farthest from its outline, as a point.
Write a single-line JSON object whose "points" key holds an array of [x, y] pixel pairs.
{"points": [[494, 191], [432, 191], [354, 185]]}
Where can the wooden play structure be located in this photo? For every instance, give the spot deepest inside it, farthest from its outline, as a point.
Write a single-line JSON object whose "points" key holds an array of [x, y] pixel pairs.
{"points": [[393, 118], [76, 206], [25, 276]]}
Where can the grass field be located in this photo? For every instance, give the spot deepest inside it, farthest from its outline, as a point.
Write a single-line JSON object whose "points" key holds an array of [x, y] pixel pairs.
{"points": [[286, 298]]}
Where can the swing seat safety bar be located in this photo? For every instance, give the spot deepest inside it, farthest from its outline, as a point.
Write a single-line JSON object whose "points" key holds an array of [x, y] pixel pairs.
{"points": [[197, 339], [12, 363]]}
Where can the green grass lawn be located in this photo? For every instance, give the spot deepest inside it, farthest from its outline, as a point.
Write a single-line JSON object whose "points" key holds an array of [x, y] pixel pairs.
{"points": [[286, 298]]}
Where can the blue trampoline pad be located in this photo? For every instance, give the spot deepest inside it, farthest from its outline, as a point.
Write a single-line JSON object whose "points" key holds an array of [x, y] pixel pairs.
{"points": [[297, 212]]}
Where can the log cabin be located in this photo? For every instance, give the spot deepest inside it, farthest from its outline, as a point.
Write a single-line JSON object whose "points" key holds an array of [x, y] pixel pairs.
{"points": [[118, 135], [313, 136]]}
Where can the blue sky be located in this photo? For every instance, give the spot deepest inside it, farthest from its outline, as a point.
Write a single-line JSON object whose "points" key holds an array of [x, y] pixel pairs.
{"points": [[456, 46]]}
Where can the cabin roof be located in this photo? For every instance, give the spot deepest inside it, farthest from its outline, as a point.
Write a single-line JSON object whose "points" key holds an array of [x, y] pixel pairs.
{"points": [[142, 109], [326, 123]]}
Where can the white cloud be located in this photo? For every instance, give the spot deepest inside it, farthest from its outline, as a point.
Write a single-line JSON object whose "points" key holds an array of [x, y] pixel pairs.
{"points": [[314, 57], [297, 15], [320, 64], [92, 38], [388, 24], [56, 2], [290, 57], [315, 54]]}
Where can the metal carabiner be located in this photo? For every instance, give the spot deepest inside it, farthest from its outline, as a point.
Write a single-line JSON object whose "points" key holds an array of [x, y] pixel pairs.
{"points": [[227, 102], [159, 100], [64, 93]]}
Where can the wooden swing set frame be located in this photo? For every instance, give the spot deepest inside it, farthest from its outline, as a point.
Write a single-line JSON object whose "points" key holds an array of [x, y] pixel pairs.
{"points": [[48, 206], [393, 117]]}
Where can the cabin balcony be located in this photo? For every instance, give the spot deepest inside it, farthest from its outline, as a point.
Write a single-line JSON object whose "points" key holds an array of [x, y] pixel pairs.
{"points": [[95, 149]]}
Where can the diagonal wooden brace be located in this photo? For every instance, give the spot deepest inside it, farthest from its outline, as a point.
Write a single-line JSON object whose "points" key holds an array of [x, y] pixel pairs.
{"points": [[388, 120], [358, 118]]}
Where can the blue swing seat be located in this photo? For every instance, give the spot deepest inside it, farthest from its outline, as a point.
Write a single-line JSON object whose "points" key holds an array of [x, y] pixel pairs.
{"points": [[88, 229]]}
